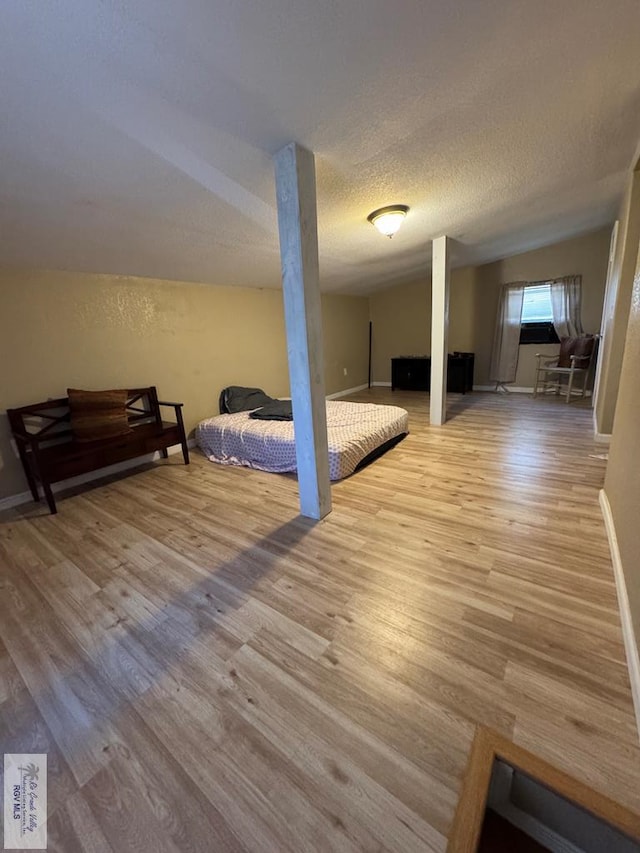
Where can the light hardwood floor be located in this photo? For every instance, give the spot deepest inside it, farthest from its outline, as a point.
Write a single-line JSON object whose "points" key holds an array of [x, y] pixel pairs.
{"points": [[209, 672]]}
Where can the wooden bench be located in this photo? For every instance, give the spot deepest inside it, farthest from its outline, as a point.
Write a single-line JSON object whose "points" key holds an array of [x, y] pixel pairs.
{"points": [[49, 452]]}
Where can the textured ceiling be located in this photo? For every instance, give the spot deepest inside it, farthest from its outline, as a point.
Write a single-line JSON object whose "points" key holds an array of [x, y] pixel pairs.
{"points": [[137, 137]]}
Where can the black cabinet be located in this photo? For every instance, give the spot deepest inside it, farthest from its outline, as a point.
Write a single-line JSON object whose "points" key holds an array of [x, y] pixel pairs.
{"points": [[413, 372], [460, 372]]}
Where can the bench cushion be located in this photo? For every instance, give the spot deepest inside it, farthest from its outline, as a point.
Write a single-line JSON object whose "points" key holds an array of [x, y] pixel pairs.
{"points": [[98, 415]]}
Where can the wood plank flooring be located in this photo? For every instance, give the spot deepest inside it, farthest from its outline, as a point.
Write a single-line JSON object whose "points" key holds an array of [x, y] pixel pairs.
{"points": [[207, 671]]}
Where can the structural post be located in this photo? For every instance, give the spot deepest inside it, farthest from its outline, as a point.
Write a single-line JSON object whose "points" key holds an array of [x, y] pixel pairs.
{"points": [[440, 274], [296, 193]]}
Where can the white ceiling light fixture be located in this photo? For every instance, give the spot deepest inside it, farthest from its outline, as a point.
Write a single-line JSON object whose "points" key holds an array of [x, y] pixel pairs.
{"points": [[388, 219]]}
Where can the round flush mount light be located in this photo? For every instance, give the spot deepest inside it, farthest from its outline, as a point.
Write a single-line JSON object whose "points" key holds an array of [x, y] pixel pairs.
{"points": [[388, 219]]}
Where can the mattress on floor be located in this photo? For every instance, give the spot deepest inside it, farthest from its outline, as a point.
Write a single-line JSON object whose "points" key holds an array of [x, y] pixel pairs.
{"points": [[354, 430]]}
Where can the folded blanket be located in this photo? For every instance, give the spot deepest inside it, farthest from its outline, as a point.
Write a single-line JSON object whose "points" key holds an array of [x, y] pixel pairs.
{"points": [[276, 410]]}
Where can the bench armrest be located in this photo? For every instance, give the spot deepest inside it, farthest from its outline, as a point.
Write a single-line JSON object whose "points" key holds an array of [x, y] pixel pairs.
{"points": [[178, 410], [20, 433], [31, 438]]}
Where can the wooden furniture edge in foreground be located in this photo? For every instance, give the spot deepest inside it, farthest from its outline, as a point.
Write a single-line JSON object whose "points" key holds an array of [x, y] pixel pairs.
{"points": [[486, 748]]}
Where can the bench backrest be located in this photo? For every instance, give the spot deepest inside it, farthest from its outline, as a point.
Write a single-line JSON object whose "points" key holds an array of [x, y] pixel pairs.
{"points": [[51, 419]]}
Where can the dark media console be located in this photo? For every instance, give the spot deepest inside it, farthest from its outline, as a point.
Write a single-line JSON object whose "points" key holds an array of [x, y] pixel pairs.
{"points": [[413, 372]]}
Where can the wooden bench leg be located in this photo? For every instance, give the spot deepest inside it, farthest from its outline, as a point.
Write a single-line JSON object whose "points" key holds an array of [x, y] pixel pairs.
{"points": [[31, 480], [183, 437], [46, 488], [165, 452]]}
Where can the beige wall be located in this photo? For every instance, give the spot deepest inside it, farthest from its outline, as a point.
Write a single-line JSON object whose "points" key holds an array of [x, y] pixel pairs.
{"points": [[616, 315], [622, 483], [586, 255], [345, 325], [90, 331], [402, 315], [401, 320], [463, 309]]}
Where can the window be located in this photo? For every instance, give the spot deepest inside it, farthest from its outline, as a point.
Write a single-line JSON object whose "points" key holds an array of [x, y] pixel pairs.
{"points": [[536, 305], [537, 316]]}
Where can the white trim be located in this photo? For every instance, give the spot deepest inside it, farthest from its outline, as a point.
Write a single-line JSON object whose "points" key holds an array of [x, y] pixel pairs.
{"points": [[628, 633], [512, 389], [599, 437], [347, 391], [504, 389], [517, 389], [26, 497], [608, 307]]}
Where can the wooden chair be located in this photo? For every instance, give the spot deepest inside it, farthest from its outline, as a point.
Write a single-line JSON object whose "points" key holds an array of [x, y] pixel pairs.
{"points": [[573, 362]]}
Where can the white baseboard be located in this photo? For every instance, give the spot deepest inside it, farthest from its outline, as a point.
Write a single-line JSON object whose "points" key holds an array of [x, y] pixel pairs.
{"points": [[26, 497], [599, 437], [516, 389], [628, 633], [347, 391], [602, 437], [506, 389], [512, 389]]}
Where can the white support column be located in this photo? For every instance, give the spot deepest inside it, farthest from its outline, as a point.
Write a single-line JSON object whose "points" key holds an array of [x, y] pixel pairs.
{"points": [[440, 275], [296, 192]]}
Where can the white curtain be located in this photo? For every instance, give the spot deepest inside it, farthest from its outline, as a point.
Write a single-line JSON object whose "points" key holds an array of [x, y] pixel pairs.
{"points": [[566, 296], [506, 341]]}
